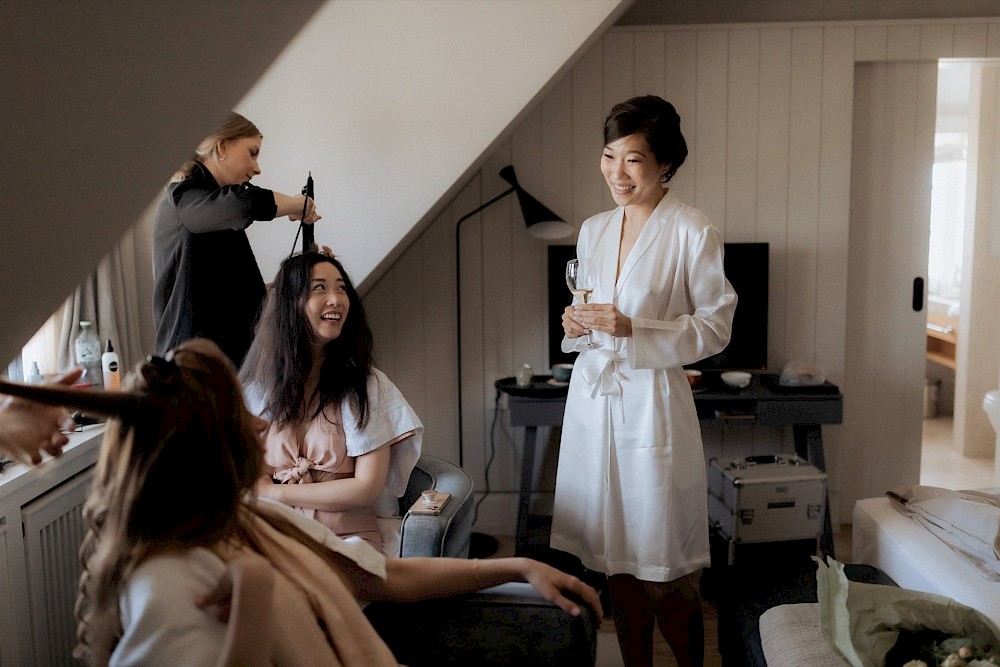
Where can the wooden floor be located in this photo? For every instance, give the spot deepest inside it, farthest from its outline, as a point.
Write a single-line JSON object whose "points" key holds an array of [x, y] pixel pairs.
{"points": [[609, 655]]}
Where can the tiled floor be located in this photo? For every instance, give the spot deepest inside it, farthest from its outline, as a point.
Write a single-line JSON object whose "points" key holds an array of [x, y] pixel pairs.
{"points": [[941, 465]]}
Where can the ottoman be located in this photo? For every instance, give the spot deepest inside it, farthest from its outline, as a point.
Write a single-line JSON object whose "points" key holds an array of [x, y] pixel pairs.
{"points": [[743, 593]]}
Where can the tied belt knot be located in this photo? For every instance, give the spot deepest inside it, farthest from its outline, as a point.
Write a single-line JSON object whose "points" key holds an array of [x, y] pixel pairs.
{"points": [[602, 374], [295, 474]]}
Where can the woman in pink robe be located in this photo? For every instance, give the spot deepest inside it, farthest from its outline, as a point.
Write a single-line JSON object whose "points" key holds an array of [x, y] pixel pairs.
{"points": [[342, 440]]}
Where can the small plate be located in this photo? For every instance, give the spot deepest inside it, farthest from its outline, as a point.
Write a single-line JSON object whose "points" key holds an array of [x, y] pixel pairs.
{"points": [[556, 383]]}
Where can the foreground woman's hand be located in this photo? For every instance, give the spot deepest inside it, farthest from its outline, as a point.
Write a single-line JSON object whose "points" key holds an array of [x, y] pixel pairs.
{"points": [[27, 428], [553, 584]]}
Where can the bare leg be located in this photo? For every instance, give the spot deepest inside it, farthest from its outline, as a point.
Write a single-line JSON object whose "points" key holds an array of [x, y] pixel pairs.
{"points": [[677, 606], [633, 614]]}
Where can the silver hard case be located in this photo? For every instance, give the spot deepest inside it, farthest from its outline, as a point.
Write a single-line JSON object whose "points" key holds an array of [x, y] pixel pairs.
{"points": [[766, 499]]}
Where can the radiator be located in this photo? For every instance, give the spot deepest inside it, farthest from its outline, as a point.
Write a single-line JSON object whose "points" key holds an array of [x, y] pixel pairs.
{"points": [[53, 532]]}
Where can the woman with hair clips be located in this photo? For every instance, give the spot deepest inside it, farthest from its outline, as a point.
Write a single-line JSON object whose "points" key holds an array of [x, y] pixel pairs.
{"points": [[206, 278], [342, 440], [183, 566], [630, 495]]}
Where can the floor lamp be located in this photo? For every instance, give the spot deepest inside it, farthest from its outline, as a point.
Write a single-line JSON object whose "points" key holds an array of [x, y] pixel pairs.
{"points": [[541, 223]]}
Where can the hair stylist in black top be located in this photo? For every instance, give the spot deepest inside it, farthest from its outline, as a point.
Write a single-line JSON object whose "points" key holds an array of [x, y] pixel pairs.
{"points": [[207, 283]]}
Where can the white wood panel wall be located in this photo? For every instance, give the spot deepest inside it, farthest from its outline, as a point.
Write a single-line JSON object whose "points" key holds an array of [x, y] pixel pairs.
{"points": [[766, 110]]}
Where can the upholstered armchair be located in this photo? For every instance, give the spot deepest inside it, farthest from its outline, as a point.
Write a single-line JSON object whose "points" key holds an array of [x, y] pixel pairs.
{"points": [[505, 625], [448, 533]]}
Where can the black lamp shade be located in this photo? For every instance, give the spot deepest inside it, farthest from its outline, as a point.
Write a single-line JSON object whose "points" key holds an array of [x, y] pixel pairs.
{"points": [[541, 222]]}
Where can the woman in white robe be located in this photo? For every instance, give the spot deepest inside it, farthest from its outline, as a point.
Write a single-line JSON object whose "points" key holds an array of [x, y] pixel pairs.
{"points": [[631, 492]]}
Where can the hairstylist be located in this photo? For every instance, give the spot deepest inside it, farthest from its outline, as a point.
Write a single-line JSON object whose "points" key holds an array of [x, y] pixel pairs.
{"points": [[207, 283]]}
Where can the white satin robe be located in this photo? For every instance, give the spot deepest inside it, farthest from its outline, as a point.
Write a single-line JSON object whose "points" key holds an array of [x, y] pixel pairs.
{"points": [[631, 489]]}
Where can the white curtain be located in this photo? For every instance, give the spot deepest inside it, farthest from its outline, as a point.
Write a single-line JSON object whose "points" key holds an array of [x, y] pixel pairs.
{"points": [[114, 299]]}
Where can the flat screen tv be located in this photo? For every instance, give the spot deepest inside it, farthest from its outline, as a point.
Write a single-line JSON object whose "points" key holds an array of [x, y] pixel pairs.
{"points": [[746, 266]]}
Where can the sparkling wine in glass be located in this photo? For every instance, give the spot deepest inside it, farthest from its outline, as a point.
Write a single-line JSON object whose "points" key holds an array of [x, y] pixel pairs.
{"points": [[580, 281]]}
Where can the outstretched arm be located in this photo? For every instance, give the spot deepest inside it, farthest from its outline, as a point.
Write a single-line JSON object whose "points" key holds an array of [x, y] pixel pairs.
{"points": [[411, 579]]}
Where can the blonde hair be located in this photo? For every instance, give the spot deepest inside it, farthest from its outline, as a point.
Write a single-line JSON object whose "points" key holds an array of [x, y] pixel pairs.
{"points": [[234, 127], [178, 421], [188, 427]]}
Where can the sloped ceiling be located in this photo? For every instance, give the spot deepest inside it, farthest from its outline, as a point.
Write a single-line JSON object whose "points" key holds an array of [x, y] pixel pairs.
{"points": [[390, 105], [100, 102]]}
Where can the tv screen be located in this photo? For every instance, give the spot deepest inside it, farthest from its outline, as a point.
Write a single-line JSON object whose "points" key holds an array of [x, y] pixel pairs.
{"points": [[746, 266]]}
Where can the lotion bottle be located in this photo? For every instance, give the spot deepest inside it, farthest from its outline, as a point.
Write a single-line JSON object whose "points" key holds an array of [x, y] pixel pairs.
{"points": [[109, 366], [35, 376]]}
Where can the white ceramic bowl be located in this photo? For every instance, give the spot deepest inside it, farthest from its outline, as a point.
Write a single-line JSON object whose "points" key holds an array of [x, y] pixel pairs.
{"points": [[736, 379]]}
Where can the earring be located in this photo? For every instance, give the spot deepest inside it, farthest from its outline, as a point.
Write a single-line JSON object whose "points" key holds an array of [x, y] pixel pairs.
{"points": [[221, 158]]}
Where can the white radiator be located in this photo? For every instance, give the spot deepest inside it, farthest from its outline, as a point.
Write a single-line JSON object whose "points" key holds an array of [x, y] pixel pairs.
{"points": [[53, 531]]}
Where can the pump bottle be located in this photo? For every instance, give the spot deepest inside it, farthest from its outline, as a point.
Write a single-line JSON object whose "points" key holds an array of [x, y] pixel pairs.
{"points": [[109, 368]]}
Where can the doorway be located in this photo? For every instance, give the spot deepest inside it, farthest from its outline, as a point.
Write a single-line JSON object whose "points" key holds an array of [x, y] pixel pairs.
{"points": [[958, 448], [893, 159]]}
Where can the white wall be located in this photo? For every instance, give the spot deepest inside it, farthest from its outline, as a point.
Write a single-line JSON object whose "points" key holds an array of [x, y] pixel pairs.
{"points": [[392, 103], [767, 113], [978, 356]]}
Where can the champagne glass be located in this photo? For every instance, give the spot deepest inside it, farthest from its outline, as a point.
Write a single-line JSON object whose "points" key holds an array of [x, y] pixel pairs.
{"points": [[580, 281]]}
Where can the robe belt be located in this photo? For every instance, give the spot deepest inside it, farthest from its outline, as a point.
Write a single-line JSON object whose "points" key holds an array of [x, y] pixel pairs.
{"points": [[608, 380]]}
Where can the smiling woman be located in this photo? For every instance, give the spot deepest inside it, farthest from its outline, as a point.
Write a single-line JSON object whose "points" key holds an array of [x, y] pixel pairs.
{"points": [[328, 304], [630, 440], [342, 439]]}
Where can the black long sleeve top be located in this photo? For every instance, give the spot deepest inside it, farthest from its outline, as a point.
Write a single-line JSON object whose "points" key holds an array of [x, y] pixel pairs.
{"points": [[206, 279]]}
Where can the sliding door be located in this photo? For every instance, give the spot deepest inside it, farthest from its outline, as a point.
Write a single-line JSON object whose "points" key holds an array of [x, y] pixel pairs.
{"points": [[892, 158]]}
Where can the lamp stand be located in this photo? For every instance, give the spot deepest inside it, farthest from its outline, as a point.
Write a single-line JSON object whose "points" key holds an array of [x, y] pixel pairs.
{"points": [[542, 223]]}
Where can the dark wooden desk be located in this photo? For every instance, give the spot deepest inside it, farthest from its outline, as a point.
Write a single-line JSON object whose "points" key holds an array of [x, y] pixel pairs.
{"points": [[762, 402]]}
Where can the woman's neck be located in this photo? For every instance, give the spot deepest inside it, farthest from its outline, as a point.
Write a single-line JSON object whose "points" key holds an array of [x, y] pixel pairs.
{"points": [[638, 214], [318, 356], [635, 218], [213, 167]]}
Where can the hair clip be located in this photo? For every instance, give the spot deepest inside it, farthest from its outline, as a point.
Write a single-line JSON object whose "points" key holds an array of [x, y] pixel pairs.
{"points": [[159, 369]]}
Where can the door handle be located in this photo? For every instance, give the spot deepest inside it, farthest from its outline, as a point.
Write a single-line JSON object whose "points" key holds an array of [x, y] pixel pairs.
{"points": [[918, 294]]}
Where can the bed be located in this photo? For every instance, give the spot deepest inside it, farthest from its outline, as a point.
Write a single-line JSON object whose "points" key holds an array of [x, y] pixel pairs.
{"points": [[916, 559]]}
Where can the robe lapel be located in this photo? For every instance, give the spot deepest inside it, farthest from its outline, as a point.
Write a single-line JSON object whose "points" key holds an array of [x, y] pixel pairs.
{"points": [[607, 260], [647, 237]]}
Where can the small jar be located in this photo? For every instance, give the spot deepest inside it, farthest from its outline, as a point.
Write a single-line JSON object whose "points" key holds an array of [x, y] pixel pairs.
{"points": [[524, 374]]}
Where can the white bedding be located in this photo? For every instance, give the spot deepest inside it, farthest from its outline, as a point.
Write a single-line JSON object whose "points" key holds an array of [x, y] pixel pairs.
{"points": [[916, 559]]}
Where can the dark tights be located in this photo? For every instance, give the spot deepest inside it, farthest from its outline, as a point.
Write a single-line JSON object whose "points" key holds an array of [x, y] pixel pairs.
{"points": [[675, 606]]}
